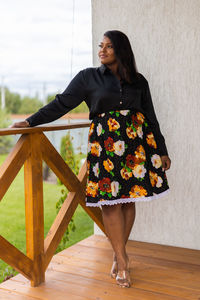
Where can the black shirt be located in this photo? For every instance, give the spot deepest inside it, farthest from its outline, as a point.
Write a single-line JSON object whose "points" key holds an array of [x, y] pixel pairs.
{"points": [[102, 91]]}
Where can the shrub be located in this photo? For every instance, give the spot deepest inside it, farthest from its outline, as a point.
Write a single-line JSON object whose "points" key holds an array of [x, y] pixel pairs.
{"points": [[67, 153], [6, 142], [29, 105], [13, 101]]}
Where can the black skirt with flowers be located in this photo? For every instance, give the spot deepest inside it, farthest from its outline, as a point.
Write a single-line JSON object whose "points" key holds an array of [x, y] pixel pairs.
{"points": [[123, 164]]}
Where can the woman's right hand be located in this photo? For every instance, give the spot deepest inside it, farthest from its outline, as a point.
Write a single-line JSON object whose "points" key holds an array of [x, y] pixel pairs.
{"points": [[21, 124]]}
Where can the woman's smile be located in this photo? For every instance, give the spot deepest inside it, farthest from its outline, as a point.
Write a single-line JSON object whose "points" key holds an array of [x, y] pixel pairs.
{"points": [[106, 52]]}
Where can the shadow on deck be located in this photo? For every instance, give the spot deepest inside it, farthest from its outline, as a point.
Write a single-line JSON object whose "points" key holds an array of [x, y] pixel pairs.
{"points": [[81, 272]]}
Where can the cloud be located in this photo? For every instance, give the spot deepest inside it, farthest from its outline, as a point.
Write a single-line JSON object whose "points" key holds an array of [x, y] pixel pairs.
{"points": [[36, 42]]}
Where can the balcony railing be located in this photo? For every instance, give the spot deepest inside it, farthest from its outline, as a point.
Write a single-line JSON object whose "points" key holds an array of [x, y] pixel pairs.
{"points": [[30, 150]]}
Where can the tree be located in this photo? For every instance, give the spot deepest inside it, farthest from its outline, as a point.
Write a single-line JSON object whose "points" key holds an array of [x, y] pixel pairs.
{"points": [[13, 102], [50, 98], [29, 105], [17, 105], [6, 141]]}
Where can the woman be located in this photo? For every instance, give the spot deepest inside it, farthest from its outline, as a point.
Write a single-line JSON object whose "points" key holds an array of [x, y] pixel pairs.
{"points": [[127, 156]]}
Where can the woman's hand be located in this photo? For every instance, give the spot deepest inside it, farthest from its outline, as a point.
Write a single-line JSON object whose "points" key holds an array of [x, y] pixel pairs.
{"points": [[166, 162], [21, 124]]}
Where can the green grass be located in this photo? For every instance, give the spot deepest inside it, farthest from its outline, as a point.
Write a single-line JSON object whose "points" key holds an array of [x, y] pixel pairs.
{"points": [[12, 217]]}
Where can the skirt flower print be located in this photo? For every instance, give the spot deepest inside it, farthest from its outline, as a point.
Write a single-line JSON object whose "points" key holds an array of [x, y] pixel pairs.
{"points": [[123, 164]]}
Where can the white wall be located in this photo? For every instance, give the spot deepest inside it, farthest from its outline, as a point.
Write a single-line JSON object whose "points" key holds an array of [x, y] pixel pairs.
{"points": [[165, 37]]}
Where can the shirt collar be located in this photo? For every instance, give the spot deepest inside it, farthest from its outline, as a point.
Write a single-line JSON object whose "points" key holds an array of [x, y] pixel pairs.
{"points": [[103, 68]]}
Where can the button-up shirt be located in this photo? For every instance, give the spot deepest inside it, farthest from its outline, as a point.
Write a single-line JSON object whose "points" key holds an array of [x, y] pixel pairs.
{"points": [[102, 92]]}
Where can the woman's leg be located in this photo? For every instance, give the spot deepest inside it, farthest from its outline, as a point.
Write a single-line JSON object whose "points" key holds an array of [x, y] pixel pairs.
{"points": [[113, 218], [128, 210]]}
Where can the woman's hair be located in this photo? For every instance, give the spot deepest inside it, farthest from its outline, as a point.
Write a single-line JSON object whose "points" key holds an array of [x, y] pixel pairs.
{"points": [[127, 68]]}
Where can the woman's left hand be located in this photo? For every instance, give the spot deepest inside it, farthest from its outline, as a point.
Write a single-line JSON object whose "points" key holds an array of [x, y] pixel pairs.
{"points": [[166, 162]]}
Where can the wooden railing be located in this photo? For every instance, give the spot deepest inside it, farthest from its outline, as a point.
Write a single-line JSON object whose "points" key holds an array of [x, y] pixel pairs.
{"points": [[31, 149]]}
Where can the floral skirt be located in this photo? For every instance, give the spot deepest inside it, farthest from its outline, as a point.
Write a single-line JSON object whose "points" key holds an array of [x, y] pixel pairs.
{"points": [[123, 164]]}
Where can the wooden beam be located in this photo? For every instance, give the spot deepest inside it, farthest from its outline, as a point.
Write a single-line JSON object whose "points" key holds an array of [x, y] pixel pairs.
{"points": [[34, 208], [58, 165], [63, 218], [65, 214], [13, 164], [15, 258], [59, 226], [41, 128]]}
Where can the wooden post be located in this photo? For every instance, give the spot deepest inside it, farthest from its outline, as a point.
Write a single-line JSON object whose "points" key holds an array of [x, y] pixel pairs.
{"points": [[34, 209]]}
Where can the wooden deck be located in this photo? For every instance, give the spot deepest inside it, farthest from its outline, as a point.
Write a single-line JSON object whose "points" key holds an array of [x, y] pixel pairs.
{"points": [[81, 272]]}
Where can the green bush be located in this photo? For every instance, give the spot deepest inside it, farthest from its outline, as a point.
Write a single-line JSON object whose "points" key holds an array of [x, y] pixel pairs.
{"points": [[6, 142], [67, 153], [80, 108], [15, 104], [29, 105], [13, 101], [67, 150]]}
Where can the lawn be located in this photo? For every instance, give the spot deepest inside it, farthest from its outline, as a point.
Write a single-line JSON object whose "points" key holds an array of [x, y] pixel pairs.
{"points": [[12, 217]]}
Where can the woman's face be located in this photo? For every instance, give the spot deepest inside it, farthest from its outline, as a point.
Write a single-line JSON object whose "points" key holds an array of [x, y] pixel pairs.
{"points": [[106, 52]]}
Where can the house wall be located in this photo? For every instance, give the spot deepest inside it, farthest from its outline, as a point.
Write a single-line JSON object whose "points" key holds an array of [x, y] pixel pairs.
{"points": [[165, 37]]}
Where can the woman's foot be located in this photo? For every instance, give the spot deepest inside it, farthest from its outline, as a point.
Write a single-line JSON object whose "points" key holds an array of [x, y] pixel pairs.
{"points": [[128, 263], [114, 268], [123, 278], [123, 274]]}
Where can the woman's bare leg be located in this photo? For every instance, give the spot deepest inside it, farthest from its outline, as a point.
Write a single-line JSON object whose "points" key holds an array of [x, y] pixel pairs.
{"points": [[128, 210], [113, 218]]}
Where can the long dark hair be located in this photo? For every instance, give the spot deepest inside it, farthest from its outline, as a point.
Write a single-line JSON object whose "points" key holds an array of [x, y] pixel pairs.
{"points": [[127, 68]]}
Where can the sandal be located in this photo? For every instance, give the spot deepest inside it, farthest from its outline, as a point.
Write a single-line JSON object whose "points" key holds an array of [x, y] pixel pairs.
{"points": [[114, 269], [123, 278]]}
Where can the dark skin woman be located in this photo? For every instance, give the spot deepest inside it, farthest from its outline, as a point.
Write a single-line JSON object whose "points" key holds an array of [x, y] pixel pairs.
{"points": [[118, 219]]}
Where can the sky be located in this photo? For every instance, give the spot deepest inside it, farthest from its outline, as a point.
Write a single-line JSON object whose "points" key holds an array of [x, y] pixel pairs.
{"points": [[36, 44]]}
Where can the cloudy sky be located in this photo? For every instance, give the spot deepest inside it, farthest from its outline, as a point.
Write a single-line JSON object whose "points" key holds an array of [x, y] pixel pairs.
{"points": [[36, 42]]}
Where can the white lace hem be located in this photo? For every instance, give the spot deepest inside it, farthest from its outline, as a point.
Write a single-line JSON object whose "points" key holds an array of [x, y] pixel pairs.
{"points": [[128, 200]]}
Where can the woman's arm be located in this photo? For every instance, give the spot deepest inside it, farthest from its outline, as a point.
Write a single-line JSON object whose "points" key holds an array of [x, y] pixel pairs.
{"points": [[73, 95], [151, 116]]}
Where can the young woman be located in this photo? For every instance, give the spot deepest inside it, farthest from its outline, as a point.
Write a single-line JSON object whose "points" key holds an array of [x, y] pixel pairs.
{"points": [[127, 156]]}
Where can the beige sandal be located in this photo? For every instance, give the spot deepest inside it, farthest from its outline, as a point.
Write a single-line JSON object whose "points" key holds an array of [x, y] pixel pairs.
{"points": [[114, 269], [123, 278]]}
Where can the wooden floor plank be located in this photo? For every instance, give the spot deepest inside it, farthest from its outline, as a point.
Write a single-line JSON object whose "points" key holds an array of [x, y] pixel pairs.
{"points": [[152, 250], [10, 295], [145, 272], [91, 289], [138, 283], [151, 246], [51, 290], [91, 253], [81, 272], [139, 280], [149, 282]]}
